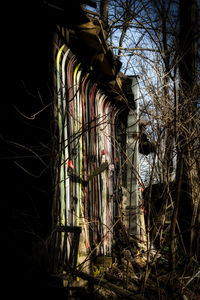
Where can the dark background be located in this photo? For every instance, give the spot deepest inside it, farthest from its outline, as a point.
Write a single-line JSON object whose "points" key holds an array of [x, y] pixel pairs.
{"points": [[27, 143], [25, 200]]}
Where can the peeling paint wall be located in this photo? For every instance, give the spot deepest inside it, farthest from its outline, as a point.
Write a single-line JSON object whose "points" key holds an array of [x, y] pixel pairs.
{"points": [[92, 158]]}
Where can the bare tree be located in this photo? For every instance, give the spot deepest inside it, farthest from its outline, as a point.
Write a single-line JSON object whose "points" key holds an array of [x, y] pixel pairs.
{"points": [[158, 41], [104, 4], [188, 136]]}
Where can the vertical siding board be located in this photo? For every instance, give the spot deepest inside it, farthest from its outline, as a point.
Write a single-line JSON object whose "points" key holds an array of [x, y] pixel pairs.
{"points": [[87, 139]]}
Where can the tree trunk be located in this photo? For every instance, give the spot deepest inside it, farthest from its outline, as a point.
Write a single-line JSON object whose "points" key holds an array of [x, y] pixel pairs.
{"points": [[188, 136], [104, 13]]}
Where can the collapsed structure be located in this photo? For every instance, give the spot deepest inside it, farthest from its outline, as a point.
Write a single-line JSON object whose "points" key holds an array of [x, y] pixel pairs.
{"points": [[97, 187]]}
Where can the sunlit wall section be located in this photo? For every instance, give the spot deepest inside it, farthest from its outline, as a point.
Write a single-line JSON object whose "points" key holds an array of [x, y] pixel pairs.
{"points": [[87, 155]]}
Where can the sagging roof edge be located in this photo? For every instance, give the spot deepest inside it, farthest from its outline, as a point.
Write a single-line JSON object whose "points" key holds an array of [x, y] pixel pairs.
{"points": [[87, 39]]}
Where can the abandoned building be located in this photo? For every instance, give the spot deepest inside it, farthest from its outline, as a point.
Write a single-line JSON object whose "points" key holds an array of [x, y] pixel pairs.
{"points": [[96, 111], [81, 115], [75, 222]]}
